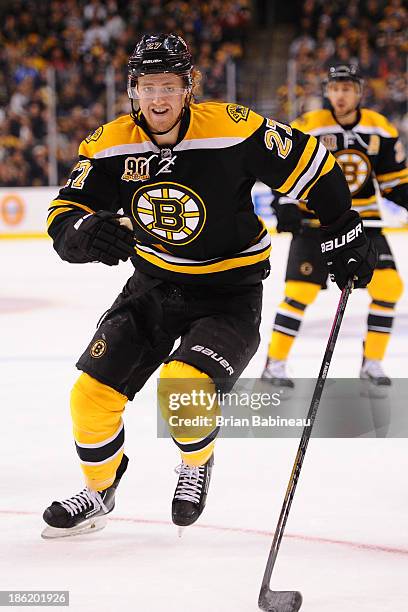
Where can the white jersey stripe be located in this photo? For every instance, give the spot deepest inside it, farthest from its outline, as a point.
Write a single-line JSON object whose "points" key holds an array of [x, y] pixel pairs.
{"points": [[127, 149], [310, 174], [208, 143]]}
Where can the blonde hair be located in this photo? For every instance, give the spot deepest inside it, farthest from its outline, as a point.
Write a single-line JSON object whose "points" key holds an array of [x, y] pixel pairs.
{"points": [[196, 77]]}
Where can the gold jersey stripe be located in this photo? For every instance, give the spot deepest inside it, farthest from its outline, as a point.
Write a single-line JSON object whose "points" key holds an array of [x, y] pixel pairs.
{"points": [[314, 119], [56, 212], [70, 203], [220, 116], [383, 309], [301, 165], [364, 201], [369, 215], [60, 206], [372, 119], [119, 132], [329, 165], [219, 266], [389, 176]]}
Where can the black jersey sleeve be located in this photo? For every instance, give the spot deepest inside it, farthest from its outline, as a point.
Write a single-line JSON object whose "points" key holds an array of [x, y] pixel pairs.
{"points": [[298, 166], [90, 188]]}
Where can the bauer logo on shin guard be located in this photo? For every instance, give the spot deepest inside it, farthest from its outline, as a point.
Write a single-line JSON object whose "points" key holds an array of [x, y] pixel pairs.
{"points": [[340, 241], [98, 348]]}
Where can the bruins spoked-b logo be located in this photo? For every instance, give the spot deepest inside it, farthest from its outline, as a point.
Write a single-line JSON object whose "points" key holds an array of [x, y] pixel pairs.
{"points": [[306, 268], [356, 168], [98, 348], [169, 211]]}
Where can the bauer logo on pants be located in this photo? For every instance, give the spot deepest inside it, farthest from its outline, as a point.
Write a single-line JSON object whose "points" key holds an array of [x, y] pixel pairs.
{"points": [[170, 212], [98, 348]]}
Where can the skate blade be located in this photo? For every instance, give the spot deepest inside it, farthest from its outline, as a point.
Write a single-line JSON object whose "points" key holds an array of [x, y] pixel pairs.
{"points": [[180, 531], [90, 526]]}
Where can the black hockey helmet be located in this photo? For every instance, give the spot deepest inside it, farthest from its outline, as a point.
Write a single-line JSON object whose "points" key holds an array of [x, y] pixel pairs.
{"points": [[344, 72], [158, 53]]}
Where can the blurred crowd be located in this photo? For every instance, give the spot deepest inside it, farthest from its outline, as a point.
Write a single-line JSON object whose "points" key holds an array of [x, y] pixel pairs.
{"points": [[80, 40], [370, 33]]}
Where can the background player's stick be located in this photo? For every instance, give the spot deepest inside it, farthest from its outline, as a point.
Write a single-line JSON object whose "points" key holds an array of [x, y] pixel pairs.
{"points": [[290, 601]]}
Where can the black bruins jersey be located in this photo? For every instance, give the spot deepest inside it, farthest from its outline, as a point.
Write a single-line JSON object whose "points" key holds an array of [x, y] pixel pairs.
{"points": [[368, 151], [191, 202]]}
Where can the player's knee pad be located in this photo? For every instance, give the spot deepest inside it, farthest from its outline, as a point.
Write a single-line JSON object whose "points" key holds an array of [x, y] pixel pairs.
{"points": [[299, 293], [386, 286], [96, 410], [185, 389]]}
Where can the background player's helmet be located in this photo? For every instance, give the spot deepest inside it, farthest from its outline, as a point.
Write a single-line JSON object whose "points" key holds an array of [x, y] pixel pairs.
{"points": [[344, 72], [158, 53]]}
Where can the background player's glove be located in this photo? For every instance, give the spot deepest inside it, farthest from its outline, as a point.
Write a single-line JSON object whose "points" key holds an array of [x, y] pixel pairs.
{"points": [[105, 237], [347, 251], [288, 216], [399, 195]]}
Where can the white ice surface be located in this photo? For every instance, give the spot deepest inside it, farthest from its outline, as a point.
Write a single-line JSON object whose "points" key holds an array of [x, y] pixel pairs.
{"points": [[353, 492]]}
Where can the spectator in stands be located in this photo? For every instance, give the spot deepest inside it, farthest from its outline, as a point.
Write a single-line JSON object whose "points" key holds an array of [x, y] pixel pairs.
{"points": [[79, 39], [371, 33]]}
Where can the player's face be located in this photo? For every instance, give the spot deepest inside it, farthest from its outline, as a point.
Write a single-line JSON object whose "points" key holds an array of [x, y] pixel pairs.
{"points": [[161, 99], [344, 96]]}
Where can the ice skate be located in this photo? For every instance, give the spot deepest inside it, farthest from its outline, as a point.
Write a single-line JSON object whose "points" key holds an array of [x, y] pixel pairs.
{"points": [[372, 370], [191, 493], [275, 373], [84, 512]]}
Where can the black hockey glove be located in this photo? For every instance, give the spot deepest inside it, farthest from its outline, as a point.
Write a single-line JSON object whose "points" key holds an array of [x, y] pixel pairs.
{"points": [[347, 251], [288, 215], [104, 239]]}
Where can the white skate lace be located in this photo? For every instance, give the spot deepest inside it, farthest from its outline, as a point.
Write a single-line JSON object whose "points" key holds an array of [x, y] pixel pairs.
{"points": [[82, 501], [190, 483]]}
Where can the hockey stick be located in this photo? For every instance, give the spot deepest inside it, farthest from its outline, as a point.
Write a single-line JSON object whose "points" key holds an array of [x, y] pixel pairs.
{"points": [[290, 601]]}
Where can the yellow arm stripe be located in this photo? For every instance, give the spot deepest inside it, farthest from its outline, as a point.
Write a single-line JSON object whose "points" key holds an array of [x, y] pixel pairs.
{"points": [[59, 209], [389, 176], [57, 212], [301, 165], [364, 201], [329, 165], [74, 204], [219, 266]]}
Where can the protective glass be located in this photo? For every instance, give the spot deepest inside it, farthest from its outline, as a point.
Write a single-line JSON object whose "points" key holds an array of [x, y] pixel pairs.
{"points": [[150, 92]]}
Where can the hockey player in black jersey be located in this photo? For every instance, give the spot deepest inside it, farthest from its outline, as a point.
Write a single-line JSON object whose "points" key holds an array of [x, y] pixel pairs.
{"points": [[367, 147], [181, 174]]}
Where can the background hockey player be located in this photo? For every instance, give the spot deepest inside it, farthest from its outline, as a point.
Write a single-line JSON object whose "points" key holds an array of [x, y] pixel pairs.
{"points": [[181, 174], [367, 148]]}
